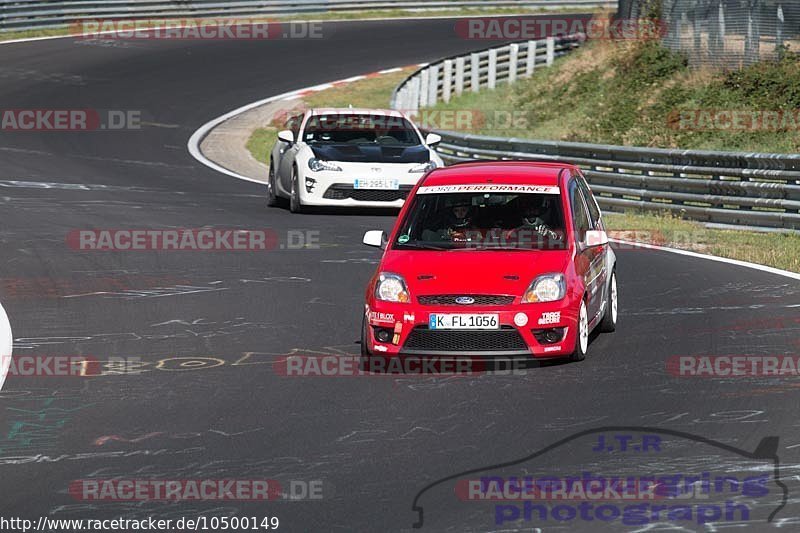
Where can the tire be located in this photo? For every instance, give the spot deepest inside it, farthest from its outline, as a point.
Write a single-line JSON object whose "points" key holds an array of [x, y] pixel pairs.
{"points": [[272, 194], [609, 322], [366, 356], [582, 335], [295, 205]]}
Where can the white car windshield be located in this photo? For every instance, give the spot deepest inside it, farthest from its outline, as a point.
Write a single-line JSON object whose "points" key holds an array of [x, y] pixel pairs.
{"points": [[360, 129]]}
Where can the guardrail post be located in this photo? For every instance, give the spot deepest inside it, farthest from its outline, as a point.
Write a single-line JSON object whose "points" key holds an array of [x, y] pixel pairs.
{"points": [[716, 33], [459, 75], [414, 96], [405, 93], [397, 102], [551, 50], [423, 88], [530, 61], [447, 82], [492, 75], [779, 31], [433, 84], [513, 62], [475, 72]]}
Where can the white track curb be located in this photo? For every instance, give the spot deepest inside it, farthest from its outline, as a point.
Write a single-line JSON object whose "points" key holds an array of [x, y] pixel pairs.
{"points": [[746, 264], [6, 342]]}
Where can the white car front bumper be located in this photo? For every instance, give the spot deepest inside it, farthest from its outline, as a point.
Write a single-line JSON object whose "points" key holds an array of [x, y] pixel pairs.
{"points": [[337, 188]]}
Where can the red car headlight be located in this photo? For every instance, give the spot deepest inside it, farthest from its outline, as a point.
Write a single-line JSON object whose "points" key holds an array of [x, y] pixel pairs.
{"points": [[546, 288], [392, 288]]}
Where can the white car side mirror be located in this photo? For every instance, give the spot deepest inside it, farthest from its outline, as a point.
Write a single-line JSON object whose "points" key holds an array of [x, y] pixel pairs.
{"points": [[376, 238], [432, 139], [286, 136], [596, 238]]}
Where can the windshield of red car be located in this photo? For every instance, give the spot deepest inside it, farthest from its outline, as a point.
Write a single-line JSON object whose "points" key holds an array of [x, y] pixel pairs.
{"points": [[485, 220]]}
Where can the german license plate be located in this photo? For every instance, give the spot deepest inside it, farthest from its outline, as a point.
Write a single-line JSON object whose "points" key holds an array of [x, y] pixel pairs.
{"points": [[463, 321], [376, 183]]}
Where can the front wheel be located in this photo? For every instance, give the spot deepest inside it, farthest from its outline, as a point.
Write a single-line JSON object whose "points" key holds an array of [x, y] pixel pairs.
{"points": [[295, 205], [582, 335], [609, 322]]}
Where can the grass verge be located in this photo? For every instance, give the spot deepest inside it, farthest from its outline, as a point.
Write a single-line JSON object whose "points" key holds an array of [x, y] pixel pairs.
{"points": [[639, 93], [778, 250]]}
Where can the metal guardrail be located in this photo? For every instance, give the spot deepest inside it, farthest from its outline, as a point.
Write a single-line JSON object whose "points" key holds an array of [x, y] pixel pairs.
{"points": [[723, 187], [23, 15], [484, 69]]}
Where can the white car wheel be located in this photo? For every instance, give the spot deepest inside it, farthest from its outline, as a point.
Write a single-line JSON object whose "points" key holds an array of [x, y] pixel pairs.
{"points": [[582, 335], [609, 322], [295, 204]]}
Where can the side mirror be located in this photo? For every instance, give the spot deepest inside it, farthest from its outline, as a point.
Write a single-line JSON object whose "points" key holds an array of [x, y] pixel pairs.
{"points": [[376, 238], [596, 238], [286, 136], [433, 139]]}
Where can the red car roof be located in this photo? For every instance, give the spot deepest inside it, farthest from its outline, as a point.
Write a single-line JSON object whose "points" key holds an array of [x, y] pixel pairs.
{"points": [[508, 172]]}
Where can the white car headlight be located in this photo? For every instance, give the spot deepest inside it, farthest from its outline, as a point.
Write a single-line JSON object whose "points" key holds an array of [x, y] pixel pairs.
{"points": [[546, 288], [424, 167], [391, 288], [318, 164]]}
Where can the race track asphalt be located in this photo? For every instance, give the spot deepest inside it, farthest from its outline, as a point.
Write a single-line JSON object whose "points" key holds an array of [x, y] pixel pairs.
{"points": [[206, 403]]}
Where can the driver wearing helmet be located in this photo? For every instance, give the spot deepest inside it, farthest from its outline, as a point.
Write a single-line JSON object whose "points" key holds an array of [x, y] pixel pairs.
{"points": [[534, 215], [455, 224]]}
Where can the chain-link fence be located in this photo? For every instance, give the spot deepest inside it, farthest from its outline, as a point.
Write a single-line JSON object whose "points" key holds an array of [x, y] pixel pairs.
{"points": [[723, 33]]}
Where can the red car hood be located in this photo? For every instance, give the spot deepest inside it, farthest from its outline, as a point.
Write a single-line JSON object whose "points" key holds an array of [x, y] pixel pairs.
{"points": [[472, 272]]}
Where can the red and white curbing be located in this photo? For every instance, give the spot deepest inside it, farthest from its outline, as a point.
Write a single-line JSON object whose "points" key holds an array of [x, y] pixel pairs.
{"points": [[197, 137], [300, 93]]}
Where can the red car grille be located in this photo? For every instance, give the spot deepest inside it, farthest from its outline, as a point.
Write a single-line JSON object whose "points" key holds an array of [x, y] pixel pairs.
{"points": [[479, 299], [431, 341]]}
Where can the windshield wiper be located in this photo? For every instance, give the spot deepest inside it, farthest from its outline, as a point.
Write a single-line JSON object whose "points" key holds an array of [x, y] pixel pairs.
{"points": [[502, 248], [420, 246]]}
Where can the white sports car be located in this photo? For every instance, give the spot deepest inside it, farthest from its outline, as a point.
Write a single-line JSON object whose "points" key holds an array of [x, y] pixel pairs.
{"points": [[348, 157]]}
